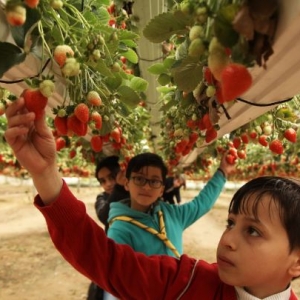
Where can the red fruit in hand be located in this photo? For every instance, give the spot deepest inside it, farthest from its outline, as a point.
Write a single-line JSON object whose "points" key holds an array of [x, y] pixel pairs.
{"points": [[230, 159], [276, 146], [291, 135], [236, 80], [35, 101]]}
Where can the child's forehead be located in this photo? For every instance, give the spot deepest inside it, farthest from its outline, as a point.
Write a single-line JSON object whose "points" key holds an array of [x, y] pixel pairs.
{"points": [[256, 206], [150, 171]]}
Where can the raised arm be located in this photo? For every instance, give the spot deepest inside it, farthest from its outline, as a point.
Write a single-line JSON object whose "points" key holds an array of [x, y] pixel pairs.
{"points": [[34, 147]]}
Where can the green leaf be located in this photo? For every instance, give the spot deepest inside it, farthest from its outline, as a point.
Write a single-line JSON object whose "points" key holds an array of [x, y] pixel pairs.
{"points": [[157, 69], [13, 56], [101, 15], [102, 68], [163, 26], [138, 84], [127, 35], [169, 62], [188, 74], [128, 96], [114, 82], [131, 56], [130, 43], [19, 32]]}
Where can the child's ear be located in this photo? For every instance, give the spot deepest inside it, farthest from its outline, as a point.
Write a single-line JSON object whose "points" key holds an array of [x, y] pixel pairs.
{"points": [[294, 270], [126, 184]]}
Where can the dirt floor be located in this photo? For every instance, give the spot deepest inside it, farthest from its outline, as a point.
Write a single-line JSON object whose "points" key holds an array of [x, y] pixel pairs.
{"points": [[30, 267]]}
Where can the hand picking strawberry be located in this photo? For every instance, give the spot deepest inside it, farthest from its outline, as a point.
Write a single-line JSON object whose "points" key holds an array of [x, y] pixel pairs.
{"points": [[35, 101]]}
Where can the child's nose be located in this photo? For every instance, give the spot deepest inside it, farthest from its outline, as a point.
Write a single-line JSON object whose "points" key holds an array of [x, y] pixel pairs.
{"points": [[229, 239]]}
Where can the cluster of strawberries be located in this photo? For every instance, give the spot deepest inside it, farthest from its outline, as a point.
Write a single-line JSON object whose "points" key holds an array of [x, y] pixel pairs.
{"points": [[16, 11]]}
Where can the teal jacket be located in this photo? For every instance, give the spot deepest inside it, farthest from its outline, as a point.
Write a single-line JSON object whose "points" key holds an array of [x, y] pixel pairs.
{"points": [[176, 217]]}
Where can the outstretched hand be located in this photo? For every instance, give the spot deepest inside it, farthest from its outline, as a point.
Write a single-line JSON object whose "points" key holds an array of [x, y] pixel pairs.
{"points": [[31, 141], [34, 147], [225, 166]]}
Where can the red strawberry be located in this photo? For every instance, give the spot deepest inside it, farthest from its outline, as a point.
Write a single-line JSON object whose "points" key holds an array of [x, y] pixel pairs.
{"points": [[60, 143], [291, 135], [96, 143], [15, 15], [236, 142], [76, 126], [93, 98], [276, 146], [253, 134], [206, 121], [208, 76], [210, 135], [241, 154], [61, 125], [96, 118], [35, 101], [61, 53], [230, 159], [236, 80], [245, 138], [116, 134], [263, 140], [82, 112], [72, 153], [232, 151], [32, 3]]}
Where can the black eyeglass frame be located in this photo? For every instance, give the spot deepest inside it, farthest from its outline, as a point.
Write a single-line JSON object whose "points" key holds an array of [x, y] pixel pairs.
{"points": [[145, 180]]}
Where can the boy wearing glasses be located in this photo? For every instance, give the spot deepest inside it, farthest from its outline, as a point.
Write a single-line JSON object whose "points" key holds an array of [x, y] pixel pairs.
{"points": [[150, 225]]}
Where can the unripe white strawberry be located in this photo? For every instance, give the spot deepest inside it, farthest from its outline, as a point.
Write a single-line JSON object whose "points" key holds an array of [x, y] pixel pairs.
{"points": [[178, 132], [96, 54], [56, 4], [196, 32], [47, 87], [61, 53], [210, 91], [15, 15], [93, 98], [71, 67]]}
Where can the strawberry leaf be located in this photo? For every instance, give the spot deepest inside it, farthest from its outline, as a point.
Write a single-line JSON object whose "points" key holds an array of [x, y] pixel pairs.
{"points": [[188, 74], [131, 56], [165, 25], [128, 96], [138, 84], [157, 69]]}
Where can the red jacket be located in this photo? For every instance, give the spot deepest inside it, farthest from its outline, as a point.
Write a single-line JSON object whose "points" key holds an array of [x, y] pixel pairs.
{"points": [[121, 271]]}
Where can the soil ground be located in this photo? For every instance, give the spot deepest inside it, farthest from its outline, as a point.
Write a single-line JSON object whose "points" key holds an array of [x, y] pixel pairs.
{"points": [[31, 268]]}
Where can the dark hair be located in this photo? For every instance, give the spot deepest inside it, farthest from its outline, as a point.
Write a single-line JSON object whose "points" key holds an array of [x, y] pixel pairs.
{"points": [[283, 192], [111, 163], [145, 160]]}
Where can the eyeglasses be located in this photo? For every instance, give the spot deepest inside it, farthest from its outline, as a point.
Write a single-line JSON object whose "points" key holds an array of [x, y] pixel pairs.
{"points": [[141, 181]]}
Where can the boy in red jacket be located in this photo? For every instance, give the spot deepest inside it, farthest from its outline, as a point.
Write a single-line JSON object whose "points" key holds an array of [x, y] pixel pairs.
{"points": [[258, 254]]}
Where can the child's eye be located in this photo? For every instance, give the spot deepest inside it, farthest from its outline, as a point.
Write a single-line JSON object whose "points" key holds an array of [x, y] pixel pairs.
{"points": [[252, 231], [230, 224]]}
